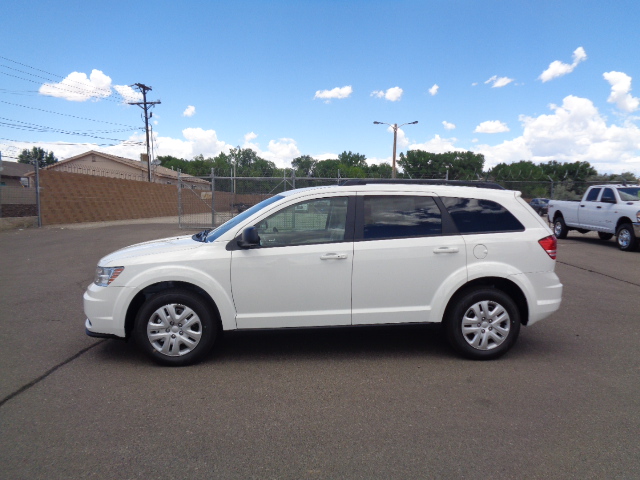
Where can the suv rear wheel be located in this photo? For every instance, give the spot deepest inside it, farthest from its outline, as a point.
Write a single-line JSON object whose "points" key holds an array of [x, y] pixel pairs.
{"points": [[175, 327], [483, 324]]}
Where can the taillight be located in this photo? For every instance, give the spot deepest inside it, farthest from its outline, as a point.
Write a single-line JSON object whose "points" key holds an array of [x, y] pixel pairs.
{"points": [[550, 245]]}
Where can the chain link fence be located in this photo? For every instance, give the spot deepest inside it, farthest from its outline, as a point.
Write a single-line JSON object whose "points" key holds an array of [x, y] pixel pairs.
{"points": [[231, 195], [17, 202]]}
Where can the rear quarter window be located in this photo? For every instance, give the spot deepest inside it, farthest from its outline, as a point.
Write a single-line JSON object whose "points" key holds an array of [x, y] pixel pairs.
{"points": [[473, 215]]}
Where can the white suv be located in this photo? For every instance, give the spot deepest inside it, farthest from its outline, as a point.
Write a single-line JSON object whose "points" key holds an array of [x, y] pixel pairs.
{"points": [[480, 260]]}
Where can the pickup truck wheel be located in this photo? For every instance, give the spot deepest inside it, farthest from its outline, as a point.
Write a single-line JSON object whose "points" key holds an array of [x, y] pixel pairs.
{"points": [[483, 324], [627, 241], [605, 236], [175, 327], [560, 228]]}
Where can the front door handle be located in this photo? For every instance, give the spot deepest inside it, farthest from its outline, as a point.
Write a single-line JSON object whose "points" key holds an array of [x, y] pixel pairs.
{"points": [[446, 250], [333, 256]]}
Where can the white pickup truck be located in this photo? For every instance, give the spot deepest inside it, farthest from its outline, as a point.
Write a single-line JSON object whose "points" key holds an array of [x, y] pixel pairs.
{"points": [[607, 209]]}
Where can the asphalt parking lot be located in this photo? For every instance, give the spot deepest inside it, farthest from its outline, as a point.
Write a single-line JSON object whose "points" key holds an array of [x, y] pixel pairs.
{"points": [[356, 404]]}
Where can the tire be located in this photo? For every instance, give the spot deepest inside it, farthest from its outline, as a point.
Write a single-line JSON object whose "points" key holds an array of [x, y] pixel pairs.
{"points": [[175, 327], [560, 228], [626, 238], [605, 236], [483, 324]]}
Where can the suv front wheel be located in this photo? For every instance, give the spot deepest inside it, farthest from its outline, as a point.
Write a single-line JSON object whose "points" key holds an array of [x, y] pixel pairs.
{"points": [[175, 327], [483, 324]]}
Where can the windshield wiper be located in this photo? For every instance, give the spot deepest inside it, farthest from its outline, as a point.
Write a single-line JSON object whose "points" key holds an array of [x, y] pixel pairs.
{"points": [[200, 236]]}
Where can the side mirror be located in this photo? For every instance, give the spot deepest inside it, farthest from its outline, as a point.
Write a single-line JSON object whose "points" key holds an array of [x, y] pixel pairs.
{"points": [[608, 200], [249, 238]]}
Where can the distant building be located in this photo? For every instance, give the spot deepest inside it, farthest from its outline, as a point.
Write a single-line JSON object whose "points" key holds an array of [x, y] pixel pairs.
{"points": [[14, 174], [105, 165]]}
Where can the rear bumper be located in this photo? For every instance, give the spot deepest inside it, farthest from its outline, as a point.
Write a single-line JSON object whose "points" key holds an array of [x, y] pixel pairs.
{"points": [[544, 294]]}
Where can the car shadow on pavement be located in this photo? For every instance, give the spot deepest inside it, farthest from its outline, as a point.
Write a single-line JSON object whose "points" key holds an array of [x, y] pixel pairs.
{"points": [[307, 344]]}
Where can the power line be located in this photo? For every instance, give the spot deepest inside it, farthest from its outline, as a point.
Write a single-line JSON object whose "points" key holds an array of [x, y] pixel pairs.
{"points": [[82, 86], [67, 115], [43, 128], [125, 143]]}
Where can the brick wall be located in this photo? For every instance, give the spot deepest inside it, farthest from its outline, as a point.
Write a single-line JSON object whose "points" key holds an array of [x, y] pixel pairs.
{"points": [[74, 198], [18, 210]]}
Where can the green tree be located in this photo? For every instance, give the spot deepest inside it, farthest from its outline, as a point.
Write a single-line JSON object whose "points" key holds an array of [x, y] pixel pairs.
{"points": [[304, 166], [37, 154], [382, 170], [459, 165], [350, 159]]}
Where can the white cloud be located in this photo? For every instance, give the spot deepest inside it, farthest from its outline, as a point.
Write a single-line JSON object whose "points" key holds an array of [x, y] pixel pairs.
{"points": [[499, 82], [128, 94], [190, 111], [77, 87], [434, 90], [574, 132], [334, 93], [620, 91], [280, 151], [250, 136], [558, 69], [448, 126], [393, 94], [492, 126], [436, 145]]}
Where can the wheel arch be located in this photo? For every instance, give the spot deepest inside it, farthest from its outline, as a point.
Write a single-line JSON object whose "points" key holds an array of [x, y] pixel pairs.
{"points": [[141, 297], [556, 215], [622, 221], [505, 285]]}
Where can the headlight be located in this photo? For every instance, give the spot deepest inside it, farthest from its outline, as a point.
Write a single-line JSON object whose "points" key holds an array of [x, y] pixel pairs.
{"points": [[106, 275]]}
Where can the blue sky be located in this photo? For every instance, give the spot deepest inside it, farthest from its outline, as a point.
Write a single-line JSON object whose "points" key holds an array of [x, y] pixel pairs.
{"points": [[534, 80]]}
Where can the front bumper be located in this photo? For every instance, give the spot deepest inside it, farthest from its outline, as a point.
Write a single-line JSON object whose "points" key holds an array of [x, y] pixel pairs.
{"points": [[101, 309]]}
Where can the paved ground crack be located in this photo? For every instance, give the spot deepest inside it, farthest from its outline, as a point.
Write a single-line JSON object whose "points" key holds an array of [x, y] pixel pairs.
{"points": [[600, 273], [26, 387]]}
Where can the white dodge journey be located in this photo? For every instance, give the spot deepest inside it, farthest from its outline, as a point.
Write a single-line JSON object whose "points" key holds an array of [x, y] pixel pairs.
{"points": [[477, 259]]}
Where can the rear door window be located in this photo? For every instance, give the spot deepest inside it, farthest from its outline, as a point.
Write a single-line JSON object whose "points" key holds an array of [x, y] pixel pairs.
{"points": [[400, 216], [593, 195], [472, 215]]}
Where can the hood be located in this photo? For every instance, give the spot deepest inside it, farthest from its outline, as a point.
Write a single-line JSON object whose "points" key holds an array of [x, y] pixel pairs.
{"points": [[154, 247]]}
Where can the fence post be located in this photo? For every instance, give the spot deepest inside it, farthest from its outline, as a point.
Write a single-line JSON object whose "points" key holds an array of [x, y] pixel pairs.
{"points": [[38, 193], [179, 200], [213, 197], [1, 185], [293, 178]]}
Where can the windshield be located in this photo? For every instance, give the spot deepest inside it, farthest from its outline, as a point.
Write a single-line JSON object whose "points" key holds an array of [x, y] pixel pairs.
{"points": [[225, 227], [629, 194]]}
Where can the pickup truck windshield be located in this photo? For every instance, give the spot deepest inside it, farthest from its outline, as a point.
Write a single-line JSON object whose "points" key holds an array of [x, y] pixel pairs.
{"points": [[629, 194], [225, 227]]}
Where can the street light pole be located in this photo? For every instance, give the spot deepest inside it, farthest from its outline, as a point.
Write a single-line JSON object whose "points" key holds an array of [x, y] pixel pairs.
{"points": [[395, 127]]}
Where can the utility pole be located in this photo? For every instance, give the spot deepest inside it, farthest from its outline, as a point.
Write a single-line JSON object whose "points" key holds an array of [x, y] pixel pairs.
{"points": [[145, 106], [395, 128]]}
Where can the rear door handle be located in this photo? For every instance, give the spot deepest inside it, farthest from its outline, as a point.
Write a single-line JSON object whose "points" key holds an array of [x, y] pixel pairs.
{"points": [[333, 256], [446, 250]]}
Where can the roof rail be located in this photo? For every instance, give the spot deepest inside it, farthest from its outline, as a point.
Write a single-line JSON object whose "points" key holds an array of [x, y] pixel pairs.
{"points": [[422, 181]]}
